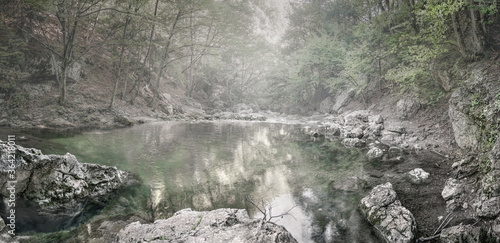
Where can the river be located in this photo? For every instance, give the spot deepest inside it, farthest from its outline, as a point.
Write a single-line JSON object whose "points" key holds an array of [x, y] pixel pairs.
{"points": [[273, 170]]}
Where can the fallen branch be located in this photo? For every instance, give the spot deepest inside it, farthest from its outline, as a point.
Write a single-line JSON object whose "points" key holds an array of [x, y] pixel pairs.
{"points": [[440, 154], [437, 233]]}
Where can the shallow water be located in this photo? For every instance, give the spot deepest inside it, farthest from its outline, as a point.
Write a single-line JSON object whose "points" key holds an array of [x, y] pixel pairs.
{"points": [[252, 165]]}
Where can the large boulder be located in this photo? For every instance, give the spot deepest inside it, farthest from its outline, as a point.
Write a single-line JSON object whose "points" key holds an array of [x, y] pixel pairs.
{"points": [[394, 222], [407, 108], [465, 131], [343, 99], [220, 225], [54, 191], [326, 105]]}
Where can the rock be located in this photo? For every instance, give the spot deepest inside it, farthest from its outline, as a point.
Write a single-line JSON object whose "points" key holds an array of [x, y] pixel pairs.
{"points": [[356, 132], [375, 154], [353, 143], [343, 99], [2, 224], [407, 108], [74, 73], [465, 167], [494, 156], [382, 209], [418, 176], [356, 117], [465, 131], [334, 130], [461, 233], [373, 131], [441, 75], [490, 184], [122, 121], [378, 119], [220, 225], [488, 207], [394, 152], [53, 191], [326, 105], [452, 188]]}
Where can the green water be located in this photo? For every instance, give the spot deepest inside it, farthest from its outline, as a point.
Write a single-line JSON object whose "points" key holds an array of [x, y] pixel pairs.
{"points": [[211, 165]]}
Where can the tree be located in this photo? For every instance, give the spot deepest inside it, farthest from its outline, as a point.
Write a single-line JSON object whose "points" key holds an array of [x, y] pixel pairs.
{"points": [[123, 45], [64, 44]]}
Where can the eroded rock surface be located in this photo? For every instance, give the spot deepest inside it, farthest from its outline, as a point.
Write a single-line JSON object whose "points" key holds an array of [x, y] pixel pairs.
{"points": [[393, 221], [53, 191], [220, 225]]}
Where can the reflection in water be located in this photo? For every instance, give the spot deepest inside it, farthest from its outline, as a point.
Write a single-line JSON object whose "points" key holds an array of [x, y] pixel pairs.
{"points": [[214, 165]]}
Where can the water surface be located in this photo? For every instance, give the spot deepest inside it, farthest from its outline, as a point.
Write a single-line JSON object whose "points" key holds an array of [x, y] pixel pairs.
{"points": [[211, 165]]}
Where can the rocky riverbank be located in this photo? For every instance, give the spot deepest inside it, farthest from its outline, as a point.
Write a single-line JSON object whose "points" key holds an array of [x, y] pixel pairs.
{"points": [[47, 193]]}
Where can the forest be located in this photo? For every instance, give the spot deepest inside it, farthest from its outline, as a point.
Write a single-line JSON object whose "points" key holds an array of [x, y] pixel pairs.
{"points": [[227, 52], [324, 109]]}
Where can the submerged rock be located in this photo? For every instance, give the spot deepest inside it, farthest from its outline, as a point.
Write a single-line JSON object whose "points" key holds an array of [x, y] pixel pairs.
{"points": [[53, 191], [220, 225], [394, 222]]}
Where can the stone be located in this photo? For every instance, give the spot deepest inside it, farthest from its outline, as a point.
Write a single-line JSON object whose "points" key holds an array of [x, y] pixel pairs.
{"points": [[356, 117], [373, 131], [394, 152], [326, 105], [452, 189], [441, 76], [375, 154], [418, 176], [488, 207], [353, 143], [343, 99], [378, 119], [494, 156], [465, 131], [356, 132], [393, 222], [407, 108], [490, 184], [461, 233], [220, 225], [2, 224], [56, 189]]}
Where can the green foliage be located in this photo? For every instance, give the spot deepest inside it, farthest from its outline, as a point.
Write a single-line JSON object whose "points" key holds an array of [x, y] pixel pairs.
{"points": [[484, 164], [61, 236]]}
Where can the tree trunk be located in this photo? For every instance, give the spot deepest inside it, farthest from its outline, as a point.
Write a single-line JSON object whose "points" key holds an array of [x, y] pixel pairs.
{"points": [[126, 78], [163, 60], [151, 36], [118, 72], [476, 31], [62, 79], [458, 35], [411, 15]]}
